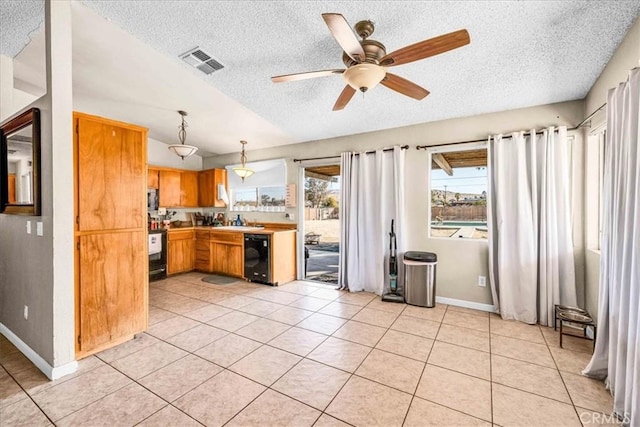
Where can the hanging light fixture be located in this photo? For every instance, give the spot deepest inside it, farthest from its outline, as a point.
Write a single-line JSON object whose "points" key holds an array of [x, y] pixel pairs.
{"points": [[364, 76], [243, 172], [183, 150]]}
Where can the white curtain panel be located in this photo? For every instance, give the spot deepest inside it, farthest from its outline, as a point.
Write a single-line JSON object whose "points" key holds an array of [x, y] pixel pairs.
{"points": [[617, 352], [345, 216], [531, 264], [372, 194]]}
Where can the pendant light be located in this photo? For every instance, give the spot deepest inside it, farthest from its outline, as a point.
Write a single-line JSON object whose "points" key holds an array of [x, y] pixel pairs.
{"points": [[243, 172], [182, 150]]}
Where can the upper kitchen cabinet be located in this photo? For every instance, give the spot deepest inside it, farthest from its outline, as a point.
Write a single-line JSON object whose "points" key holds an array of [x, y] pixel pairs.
{"points": [[111, 258], [188, 189], [169, 188], [178, 188], [209, 182], [153, 178]]}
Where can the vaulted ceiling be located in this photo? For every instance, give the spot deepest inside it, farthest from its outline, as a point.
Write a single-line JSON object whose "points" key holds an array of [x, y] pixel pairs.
{"points": [[127, 65]]}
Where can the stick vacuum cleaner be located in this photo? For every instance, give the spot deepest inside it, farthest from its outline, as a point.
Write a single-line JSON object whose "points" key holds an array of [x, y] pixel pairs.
{"points": [[393, 295]]}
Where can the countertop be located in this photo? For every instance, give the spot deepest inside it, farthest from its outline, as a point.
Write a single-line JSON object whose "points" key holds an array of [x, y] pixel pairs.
{"points": [[231, 229]]}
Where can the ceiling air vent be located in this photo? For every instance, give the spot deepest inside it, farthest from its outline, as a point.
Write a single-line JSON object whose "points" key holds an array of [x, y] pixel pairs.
{"points": [[202, 61]]}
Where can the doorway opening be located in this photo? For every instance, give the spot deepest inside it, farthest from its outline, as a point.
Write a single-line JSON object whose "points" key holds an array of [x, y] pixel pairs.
{"points": [[321, 223]]}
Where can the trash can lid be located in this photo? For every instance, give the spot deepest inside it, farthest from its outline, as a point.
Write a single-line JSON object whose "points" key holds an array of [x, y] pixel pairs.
{"points": [[420, 256]]}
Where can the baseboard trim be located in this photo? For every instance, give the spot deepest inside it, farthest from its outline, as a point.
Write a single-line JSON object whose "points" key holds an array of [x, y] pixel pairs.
{"points": [[467, 304], [51, 372]]}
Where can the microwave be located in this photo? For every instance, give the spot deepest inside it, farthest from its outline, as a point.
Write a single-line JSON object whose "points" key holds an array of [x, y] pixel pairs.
{"points": [[152, 199]]}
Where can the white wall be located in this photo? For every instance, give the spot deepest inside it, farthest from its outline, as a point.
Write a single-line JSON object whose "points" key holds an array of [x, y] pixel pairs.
{"points": [[626, 57], [453, 281], [158, 154]]}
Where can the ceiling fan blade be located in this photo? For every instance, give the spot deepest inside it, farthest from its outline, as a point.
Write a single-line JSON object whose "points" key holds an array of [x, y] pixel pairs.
{"points": [[344, 35], [404, 86], [426, 48], [303, 76], [344, 98]]}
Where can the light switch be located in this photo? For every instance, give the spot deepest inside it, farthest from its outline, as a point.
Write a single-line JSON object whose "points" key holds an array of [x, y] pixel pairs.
{"points": [[39, 228], [28, 227]]}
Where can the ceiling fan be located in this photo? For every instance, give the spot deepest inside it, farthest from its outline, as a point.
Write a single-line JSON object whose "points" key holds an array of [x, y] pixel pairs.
{"points": [[367, 60]]}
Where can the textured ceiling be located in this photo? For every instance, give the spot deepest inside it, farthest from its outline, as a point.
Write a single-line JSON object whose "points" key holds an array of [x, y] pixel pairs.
{"points": [[521, 54]]}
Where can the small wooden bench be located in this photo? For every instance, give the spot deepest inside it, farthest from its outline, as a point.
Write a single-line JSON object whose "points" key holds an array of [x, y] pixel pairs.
{"points": [[312, 239]]}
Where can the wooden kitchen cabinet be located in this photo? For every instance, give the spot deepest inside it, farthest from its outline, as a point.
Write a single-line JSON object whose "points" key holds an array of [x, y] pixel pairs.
{"points": [[111, 259], [203, 252], [153, 178], [169, 188], [181, 251], [188, 189], [178, 188], [112, 288], [227, 259], [208, 181], [283, 256], [227, 253]]}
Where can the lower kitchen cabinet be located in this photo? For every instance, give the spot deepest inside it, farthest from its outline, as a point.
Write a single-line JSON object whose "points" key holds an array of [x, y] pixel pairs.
{"points": [[227, 253], [227, 259], [224, 252], [181, 251], [203, 252]]}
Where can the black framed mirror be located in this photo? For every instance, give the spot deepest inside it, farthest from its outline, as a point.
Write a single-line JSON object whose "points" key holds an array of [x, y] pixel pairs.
{"points": [[20, 164]]}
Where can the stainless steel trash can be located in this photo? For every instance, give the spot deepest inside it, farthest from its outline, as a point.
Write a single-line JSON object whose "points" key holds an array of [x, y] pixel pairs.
{"points": [[420, 278]]}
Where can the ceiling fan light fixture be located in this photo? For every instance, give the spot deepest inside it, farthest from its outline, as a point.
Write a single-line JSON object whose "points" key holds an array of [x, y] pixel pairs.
{"points": [[243, 171], [183, 150], [363, 77]]}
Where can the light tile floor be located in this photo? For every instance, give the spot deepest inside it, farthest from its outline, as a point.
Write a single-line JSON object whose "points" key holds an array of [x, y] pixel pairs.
{"points": [[304, 354]]}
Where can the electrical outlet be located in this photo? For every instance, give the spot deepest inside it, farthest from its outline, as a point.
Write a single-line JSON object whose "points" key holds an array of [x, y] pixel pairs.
{"points": [[26, 312], [39, 228], [482, 281], [28, 227]]}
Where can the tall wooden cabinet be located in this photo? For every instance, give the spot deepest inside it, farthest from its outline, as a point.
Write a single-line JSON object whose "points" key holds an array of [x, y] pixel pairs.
{"points": [[111, 232]]}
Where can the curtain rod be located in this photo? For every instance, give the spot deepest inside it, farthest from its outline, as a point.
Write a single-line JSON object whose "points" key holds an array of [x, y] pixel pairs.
{"points": [[404, 147], [578, 126]]}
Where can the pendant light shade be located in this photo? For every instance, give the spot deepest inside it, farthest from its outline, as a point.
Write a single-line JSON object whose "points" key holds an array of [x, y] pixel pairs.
{"points": [[183, 150], [243, 172]]}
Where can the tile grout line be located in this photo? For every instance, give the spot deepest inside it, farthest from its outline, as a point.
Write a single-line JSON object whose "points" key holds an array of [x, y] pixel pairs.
{"points": [[28, 397], [575, 409], [278, 379], [352, 374], [424, 368], [332, 335]]}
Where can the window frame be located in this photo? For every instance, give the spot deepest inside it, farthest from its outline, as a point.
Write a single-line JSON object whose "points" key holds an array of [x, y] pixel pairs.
{"points": [[449, 149]]}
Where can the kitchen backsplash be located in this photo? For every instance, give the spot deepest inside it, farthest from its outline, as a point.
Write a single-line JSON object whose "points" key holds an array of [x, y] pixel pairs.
{"points": [[182, 214]]}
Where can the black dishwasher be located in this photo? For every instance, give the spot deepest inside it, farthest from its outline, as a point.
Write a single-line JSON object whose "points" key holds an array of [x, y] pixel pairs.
{"points": [[257, 258]]}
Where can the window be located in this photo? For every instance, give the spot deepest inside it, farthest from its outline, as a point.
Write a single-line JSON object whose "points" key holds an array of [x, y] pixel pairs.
{"points": [[260, 199], [458, 191], [264, 191], [594, 177]]}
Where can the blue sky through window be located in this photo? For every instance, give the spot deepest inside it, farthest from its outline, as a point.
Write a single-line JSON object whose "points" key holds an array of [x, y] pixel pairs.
{"points": [[471, 180]]}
